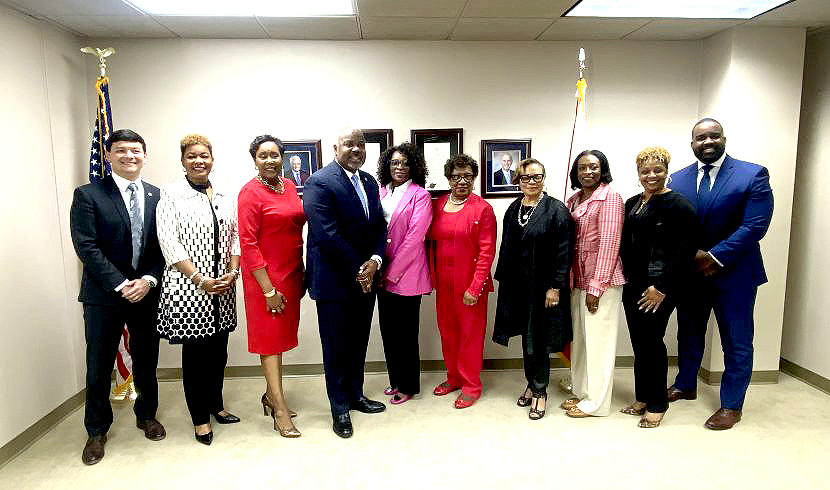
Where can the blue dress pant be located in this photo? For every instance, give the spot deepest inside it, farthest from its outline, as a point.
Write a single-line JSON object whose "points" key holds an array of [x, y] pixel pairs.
{"points": [[734, 310]]}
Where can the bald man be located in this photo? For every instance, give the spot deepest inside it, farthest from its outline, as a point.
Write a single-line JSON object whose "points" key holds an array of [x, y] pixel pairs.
{"points": [[346, 240]]}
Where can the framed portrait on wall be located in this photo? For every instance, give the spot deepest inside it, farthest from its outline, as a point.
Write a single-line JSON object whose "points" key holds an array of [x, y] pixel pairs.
{"points": [[377, 141], [438, 145], [301, 159], [499, 159]]}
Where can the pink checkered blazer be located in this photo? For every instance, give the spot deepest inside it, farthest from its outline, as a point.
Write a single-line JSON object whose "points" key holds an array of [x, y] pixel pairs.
{"points": [[598, 222]]}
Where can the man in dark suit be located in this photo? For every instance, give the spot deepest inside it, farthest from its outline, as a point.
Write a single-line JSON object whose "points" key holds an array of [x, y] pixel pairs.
{"points": [[734, 204], [346, 240], [504, 176], [113, 228], [296, 174]]}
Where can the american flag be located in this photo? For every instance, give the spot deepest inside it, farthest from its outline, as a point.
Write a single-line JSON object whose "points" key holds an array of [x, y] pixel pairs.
{"points": [[99, 166]]}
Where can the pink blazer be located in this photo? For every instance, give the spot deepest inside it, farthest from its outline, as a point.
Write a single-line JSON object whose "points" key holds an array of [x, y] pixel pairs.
{"points": [[406, 271], [598, 222]]}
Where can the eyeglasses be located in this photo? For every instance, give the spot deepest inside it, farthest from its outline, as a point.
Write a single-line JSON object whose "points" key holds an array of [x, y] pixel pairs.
{"points": [[524, 179], [398, 163], [458, 178]]}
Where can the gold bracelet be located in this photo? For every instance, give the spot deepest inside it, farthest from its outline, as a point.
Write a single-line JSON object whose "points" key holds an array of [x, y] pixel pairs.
{"points": [[271, 293]]}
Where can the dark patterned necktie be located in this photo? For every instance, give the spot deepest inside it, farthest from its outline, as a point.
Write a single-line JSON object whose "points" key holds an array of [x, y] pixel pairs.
{"points": [[136, 223], [704, 189]]}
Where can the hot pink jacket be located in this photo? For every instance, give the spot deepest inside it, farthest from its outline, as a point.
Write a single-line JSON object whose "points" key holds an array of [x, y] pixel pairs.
{"points": [[405, 269]]}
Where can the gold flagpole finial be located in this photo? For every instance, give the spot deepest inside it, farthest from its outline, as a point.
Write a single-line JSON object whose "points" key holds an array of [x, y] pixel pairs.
{"points": [[102, 56]]}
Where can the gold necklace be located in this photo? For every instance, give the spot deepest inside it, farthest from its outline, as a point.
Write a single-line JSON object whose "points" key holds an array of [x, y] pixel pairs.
{"points": [[267, 184]]}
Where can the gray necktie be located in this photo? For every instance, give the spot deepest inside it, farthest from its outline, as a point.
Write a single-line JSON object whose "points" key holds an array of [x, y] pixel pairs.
{"points": [[361, 195], [136, 223]]}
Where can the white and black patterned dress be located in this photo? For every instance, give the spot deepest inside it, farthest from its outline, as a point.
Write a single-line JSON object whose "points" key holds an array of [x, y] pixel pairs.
{"points": [[192, 227]]}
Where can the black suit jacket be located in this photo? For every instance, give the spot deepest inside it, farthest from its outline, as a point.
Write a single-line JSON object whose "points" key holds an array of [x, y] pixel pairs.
{"points": [[500, 179], [340, 237], [289, 174], [100, 227]]}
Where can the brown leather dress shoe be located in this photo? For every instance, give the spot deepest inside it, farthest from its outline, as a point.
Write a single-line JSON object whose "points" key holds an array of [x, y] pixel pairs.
{"points": [[674, 394], [723, 419], [152, 428], [94, 450]]}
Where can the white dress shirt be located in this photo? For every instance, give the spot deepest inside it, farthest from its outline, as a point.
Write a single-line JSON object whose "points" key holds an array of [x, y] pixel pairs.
{"points": [[123, 185], [349, 175], [713, 174], [393, 198]]}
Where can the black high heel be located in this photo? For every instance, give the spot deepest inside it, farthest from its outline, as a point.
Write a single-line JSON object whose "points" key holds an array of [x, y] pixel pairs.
{"points": [[226, 419], [535, 413], [524, 400], [266, 404], [205, 439]]}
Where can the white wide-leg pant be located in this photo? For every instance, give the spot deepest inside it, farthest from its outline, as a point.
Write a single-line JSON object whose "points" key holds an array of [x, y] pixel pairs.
{"points": [[594, 349]]}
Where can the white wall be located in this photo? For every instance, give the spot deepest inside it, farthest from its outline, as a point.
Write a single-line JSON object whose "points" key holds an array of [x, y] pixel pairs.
{"points": [[806, 327], [639, 94], [43, 94], [751, 82]]}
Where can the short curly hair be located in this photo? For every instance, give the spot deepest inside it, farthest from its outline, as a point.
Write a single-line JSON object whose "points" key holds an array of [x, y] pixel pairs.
{"points": [[460, 160], [259, 140], [522, 167], [655, 153], [195, 139], [414, 157]]}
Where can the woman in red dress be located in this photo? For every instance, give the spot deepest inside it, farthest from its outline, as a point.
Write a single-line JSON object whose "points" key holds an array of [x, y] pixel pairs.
{"points": [[271, 223], [463, 246]]}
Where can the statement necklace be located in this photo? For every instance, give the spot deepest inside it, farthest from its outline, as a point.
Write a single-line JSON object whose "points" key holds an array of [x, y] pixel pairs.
{"points": [[458, 203], [272, 187], [524, 216]]}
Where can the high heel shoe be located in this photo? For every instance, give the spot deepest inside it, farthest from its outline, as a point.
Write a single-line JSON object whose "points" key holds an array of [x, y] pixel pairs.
{"points": [[645, 423], [266, 404], [290, 432], [524, 399], [205, 439], [226, 419], [535, 413]]}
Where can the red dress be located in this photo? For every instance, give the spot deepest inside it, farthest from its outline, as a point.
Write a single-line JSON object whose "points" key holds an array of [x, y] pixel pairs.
{"points": [[271, 236]]}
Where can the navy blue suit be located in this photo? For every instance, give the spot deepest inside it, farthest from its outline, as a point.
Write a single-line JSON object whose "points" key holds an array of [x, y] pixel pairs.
{"points": [[734, 217], [100, 230], [340, 240]]}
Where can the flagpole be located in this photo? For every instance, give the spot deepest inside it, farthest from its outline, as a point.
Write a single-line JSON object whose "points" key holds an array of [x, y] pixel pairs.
{"points": [[579, 111]]}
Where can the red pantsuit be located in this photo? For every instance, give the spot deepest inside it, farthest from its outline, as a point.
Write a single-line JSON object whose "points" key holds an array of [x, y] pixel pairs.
{"points": [[462, 249]]}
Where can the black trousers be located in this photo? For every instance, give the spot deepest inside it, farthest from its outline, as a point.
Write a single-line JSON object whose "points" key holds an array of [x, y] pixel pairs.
{"points": [[399, 318], [344, 334], [537, 369], [203, 375], [103, 325], [651, 363]]}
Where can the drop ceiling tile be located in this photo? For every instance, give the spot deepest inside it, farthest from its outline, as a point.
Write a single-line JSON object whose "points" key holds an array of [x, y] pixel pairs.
{"points": [[478, 29], [410, 8], [212, 27], [330, 28], [431, 28], [114, 26], [516, 8], [681, 29], [587, 28], [50, 8]]}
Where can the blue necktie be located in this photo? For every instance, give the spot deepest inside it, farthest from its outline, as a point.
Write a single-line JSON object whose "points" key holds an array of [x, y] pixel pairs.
{"points": [[705, 186], [361, 195], [136, 223], [297, 178]]}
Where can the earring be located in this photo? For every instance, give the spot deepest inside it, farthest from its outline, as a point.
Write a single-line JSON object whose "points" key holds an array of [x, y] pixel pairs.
{"points": [[638, 183]]}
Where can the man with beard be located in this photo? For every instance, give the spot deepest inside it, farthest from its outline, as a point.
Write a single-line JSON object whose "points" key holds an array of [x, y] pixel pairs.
{"points": [[733, 200]]}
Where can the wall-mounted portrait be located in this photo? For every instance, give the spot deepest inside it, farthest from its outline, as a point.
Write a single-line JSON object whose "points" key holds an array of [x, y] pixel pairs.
{"points": [[499, 159], [301, 159], [377, 141], [438, 145]]}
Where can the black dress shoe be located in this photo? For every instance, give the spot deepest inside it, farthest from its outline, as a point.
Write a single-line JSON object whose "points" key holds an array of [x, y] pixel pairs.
{"points": [[152, 428], [366, 405], [343, 425], [673, 394], [205, 439], [226, 419], [94, 450]]}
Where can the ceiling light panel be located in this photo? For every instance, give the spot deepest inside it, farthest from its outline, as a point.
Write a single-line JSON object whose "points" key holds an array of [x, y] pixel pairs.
{"points": [[686, 9], [259, 8]]}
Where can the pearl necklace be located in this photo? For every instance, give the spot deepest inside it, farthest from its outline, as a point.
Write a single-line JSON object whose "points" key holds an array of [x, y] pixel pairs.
{"points": [[525, 218], [458, 203], [264, 182]]}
